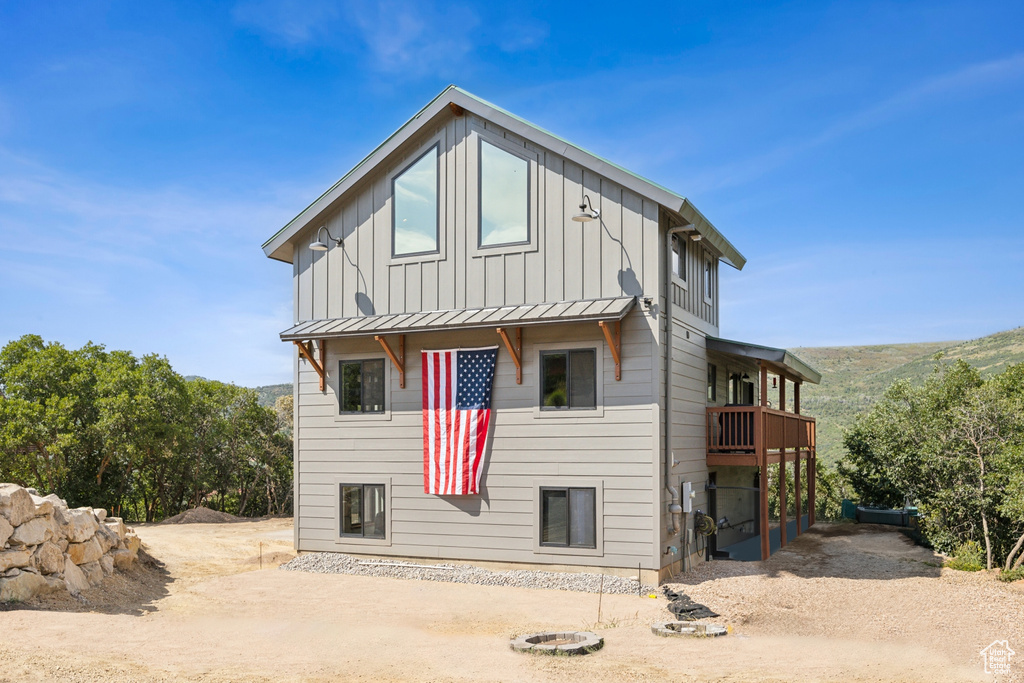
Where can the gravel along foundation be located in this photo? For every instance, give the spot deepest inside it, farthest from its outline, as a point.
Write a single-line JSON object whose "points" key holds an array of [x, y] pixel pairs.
{"points": [[338, 563]]}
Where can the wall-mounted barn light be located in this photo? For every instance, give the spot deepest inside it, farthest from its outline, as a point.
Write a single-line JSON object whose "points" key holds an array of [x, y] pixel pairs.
{"points": [[691, 232], [320, 246], [585, 216]]}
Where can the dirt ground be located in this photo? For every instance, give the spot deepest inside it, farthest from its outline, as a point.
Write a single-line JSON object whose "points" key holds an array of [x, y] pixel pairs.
{"points": [[849, 603]]}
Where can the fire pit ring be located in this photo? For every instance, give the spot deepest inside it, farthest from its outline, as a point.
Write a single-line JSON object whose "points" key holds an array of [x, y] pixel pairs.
{"points": [[671, 629], [559, 642]]}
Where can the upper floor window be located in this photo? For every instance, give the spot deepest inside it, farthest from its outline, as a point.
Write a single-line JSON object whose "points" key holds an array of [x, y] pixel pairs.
{"points": [[709, 279], [362, 386], [414, 217], [712, 382], [679, 257], [504, 197], [568, 379]]}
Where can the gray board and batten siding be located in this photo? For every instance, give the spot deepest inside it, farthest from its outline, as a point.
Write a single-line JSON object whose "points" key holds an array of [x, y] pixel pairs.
{"points": [[616, 448]]}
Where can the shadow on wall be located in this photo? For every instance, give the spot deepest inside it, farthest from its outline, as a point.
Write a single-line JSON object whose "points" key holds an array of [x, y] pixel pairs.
{"points": [[364, 304]]}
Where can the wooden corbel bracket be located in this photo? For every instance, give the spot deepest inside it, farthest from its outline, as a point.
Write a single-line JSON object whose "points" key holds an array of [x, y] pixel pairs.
{"points": [[397, 360], [614, 343], [306, 351], [515, 351]]}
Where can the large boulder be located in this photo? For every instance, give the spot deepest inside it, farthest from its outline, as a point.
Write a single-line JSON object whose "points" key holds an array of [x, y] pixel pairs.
{"points": [[74, 578], [49, 559], [5, 531], [14, 558], [33, 532], [116, 524], [43, 506], [93, 572], [107, 564], [82, 525], [106, 537], [123, 559], [16, 504], [83, 553], [100, 513], [132, 542], [23, 587]]}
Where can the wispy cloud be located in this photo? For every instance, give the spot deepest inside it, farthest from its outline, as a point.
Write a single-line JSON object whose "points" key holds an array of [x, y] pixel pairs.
{"points": [[961, 83]]}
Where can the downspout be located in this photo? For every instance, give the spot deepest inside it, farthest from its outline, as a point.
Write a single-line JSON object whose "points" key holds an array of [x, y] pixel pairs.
{"points": [[674, 508]]}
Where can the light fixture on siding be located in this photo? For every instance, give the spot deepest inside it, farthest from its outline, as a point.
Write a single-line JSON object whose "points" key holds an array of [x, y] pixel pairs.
{"points": [[691, 232], [585, 216], [320, 246]]}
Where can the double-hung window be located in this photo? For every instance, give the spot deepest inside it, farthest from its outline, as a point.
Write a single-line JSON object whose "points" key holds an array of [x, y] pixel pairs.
{"points": [[362, 386], [362, 510], [568, 517], [568, 380]]}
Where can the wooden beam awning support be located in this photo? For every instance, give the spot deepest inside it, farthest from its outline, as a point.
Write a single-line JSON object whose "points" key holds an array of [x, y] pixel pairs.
{"points": [[615, 344], [306, 351], [399, 360], [515, 351]]}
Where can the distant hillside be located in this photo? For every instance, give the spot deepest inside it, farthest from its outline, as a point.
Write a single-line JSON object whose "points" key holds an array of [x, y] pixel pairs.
{"points": [[270, 393], [853, 377]]}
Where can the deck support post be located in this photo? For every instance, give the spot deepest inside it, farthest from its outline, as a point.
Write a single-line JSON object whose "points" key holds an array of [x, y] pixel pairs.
{"points": [[306, 351], [782, 392], [764, 384], [615, 344], [782, 497], [515, 351], [762, 458], [796, 397], [397, 360], [796, 489], [812, 476]]}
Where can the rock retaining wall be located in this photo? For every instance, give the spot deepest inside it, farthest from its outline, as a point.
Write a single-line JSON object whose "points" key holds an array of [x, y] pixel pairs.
{"points": [[47, 547]]}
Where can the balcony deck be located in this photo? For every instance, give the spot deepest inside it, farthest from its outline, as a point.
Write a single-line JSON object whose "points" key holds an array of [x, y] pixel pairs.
{"points": [[759, 436]]}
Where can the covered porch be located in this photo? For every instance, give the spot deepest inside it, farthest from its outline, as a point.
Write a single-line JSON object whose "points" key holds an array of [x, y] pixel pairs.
{"points": [[762, 436]]}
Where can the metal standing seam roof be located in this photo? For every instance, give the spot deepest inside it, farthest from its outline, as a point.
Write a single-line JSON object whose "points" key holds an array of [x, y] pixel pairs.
{"points": [[672, 201], [477, 318], [780, 357]]}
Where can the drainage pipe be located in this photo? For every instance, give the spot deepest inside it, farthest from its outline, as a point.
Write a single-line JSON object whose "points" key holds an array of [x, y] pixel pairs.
{"points": [[674, 508]]}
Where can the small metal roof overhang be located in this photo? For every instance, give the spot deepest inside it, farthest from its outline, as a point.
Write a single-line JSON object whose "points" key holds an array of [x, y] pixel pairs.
{"points": [[591, 310], [780, 358]]}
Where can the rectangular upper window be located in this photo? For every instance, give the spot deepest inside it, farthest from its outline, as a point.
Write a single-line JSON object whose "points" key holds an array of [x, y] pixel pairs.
{"points": [[568, 517], [504, 197], [568, 380], [709, 280], [362, 510], [414, 213], [679, 257], [362, 386]]}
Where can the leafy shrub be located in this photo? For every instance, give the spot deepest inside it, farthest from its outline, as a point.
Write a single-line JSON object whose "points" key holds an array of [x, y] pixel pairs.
{"points": [[1012, 575], [969, 557]]}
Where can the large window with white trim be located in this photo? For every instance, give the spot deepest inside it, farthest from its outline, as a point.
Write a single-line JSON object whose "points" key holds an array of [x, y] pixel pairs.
{"points": [[414, 207]]}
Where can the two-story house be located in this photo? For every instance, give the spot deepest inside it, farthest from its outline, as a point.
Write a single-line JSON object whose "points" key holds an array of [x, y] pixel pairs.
{"points": [[616, 412]]}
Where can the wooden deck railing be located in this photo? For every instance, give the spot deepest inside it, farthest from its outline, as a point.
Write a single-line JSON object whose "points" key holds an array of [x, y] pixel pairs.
{"points": [[741, 435]]}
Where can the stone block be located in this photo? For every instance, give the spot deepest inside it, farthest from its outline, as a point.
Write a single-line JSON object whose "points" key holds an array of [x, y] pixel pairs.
{"points": [[5, 531], [83, 553], [16, 504], [116, 524], [49, 559], [74, 578], [93, 573], [107, 565], [43, 506], [82, 525], [123, 559], [106, 538], [23, 587], [14, 558], [33, 532]]}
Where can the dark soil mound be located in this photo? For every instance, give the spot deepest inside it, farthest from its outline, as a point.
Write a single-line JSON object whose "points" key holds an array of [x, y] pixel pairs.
{"points": [[202, 516]]}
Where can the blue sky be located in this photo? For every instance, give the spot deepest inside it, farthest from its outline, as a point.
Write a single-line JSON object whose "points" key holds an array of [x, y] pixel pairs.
{"points": [[866, 157]]}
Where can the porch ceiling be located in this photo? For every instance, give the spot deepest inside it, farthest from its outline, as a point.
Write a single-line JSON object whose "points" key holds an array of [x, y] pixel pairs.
{"points": [[782, 360]]}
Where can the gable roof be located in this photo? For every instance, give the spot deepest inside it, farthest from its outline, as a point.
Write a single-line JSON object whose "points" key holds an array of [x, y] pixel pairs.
{"points": [[278, 247]]}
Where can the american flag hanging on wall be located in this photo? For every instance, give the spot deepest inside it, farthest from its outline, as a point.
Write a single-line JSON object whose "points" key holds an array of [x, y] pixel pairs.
{"points": [[456, 413]]}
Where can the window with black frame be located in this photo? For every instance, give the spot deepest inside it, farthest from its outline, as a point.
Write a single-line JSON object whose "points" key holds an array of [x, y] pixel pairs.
{"points": [[568, 380], [361, 387], [568, 517], [362, 510], [679, 257]]}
